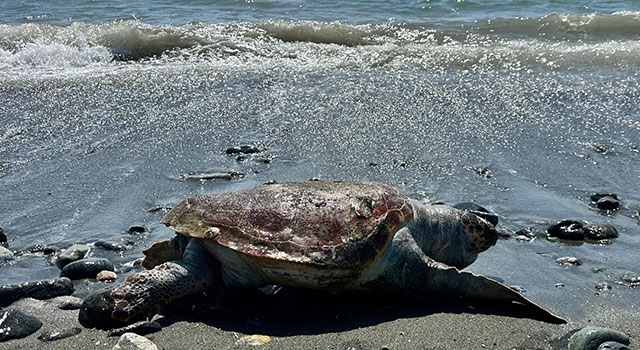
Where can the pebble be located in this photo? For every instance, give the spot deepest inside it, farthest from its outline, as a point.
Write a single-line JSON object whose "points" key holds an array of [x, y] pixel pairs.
{"points": [[86, 268], [569, 260], [597, 196], [67, 302], [229, 175], [137, 229], [599, 232], [15, 324], [358, 347], [482, 171], [527, 233], [253, 340], [265, 158], [51, 250], [71, 254], [567, 229], [5, 254], [57, 334], [591, 337], [633, 280], [140, 328], [157, 208], [246, 149], [607, 201], [603, 286], [479, 211], [43, 289], [132, 341], [612, 345], [106, 275], [3, 239], [37, 248], [96, 309], [113, 245]]}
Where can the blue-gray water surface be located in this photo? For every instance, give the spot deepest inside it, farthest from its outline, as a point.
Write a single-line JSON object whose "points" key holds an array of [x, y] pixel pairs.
{"points": [[525, 108]]}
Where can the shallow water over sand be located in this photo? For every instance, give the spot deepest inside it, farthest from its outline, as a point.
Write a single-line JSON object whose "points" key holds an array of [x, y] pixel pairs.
{"points": [[100, 122]]}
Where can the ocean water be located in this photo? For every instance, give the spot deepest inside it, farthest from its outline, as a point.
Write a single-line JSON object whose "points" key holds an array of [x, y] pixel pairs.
{"points": [[526, 108]]}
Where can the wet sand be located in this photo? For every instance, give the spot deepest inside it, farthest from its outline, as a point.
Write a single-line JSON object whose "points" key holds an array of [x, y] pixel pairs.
{"points": [[343, 322]]}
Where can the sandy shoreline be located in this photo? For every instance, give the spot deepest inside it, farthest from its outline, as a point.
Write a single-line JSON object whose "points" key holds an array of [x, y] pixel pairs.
{"points": [[343, 323]]}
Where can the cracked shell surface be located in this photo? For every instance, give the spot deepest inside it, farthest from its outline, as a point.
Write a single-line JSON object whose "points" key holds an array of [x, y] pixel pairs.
{"points": [[319, 223]]}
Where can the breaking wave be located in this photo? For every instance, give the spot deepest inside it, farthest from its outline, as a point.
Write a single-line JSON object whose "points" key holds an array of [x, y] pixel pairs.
{"points": [[556, 41]]}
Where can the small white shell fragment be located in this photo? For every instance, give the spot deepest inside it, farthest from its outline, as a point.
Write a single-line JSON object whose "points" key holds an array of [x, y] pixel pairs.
{"points": [[253, 340]]}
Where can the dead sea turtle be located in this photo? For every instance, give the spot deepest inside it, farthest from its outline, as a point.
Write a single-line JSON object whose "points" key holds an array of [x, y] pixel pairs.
{"points": [[327, 235]]}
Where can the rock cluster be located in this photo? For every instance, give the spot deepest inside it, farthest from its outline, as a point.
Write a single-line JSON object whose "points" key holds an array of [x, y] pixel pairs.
{"points": [[74, 264], [574, 230]]}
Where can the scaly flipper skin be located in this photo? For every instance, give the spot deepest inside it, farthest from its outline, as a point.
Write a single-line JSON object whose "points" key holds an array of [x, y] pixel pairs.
{"points": [[404, 267], [147, 292]]}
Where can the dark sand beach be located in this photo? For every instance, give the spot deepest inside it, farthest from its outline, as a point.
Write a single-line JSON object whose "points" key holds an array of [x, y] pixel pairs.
{"points": [[436, 325]]}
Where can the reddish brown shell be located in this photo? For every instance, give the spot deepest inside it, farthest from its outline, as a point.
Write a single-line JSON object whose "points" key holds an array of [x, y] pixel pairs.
{"points": [[322, 223]]}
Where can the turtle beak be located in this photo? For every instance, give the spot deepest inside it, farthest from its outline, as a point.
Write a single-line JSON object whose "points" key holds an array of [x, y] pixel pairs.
{"points": [[174, 215]]}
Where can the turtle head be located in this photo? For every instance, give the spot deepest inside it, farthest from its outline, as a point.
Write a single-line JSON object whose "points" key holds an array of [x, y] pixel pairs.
{"points": [[193, 217], [451, 236]]}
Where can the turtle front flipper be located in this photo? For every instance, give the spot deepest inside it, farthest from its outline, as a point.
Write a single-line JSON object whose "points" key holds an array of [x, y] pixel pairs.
{"points": [[404, 267], [447, 280], [147, 292]]}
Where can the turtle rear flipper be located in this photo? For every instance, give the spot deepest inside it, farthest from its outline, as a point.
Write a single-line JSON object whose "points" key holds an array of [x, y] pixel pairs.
{"points": [[147, 292]]}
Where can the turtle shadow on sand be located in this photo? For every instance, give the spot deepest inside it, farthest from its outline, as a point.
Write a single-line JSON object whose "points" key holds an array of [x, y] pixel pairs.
{"points": [[292, 312]]}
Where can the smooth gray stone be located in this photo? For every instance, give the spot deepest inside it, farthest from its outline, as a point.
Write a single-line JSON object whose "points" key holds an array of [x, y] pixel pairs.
{"points": [[590, 338], [568, 230], [15, 324], [71, 254], [600, 231], [612, 345], [44, 289], [57, 334], [3, 239], [5, 254], [86, 268], [96, 309], [132, 341]]}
